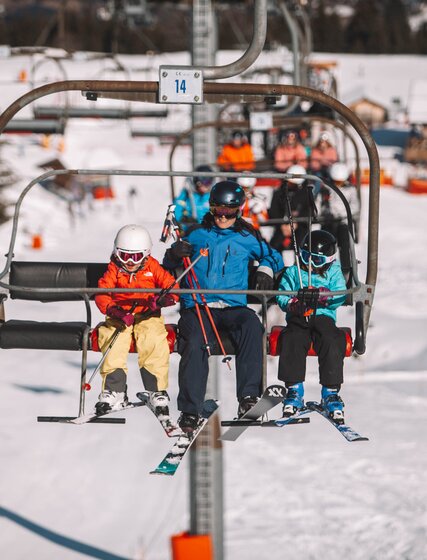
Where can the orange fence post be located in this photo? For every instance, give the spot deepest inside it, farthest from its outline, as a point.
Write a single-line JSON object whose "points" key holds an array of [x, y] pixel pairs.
{"points": [[36, 241], [191, 547]]}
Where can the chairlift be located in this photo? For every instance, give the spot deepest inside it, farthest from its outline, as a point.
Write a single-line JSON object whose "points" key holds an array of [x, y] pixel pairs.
{"points": [[78, 281]]}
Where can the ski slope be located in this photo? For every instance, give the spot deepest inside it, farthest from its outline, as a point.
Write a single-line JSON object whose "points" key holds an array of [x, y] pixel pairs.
{"points": [[81, 492]]}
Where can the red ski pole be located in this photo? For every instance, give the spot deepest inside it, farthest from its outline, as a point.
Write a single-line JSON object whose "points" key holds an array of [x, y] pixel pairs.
{"points": [[193, 278]]}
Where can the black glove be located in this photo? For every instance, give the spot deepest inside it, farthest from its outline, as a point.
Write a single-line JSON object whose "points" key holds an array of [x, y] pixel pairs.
{"points": [[309, 296], [180, 249], [263, 281]]}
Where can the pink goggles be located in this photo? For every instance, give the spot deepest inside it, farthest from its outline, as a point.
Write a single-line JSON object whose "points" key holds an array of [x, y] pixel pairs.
{"points": [[126, 256], [226, 211]]}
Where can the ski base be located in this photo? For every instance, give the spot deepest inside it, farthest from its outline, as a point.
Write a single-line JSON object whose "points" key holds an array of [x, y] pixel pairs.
{"points": [[345, 430], [174, 457], [272, 396], [93, 418]]}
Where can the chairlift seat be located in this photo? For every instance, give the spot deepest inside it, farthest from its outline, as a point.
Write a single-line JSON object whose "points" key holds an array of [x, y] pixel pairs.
{"points": [[275, 341], [42, 335]]}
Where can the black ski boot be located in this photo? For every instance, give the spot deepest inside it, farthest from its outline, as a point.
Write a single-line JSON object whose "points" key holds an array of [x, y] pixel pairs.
{"points": [[245, 404], [188, 422]]}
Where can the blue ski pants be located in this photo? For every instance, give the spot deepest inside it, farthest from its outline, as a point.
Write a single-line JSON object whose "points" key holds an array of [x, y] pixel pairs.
{"points": [[245, 332]]}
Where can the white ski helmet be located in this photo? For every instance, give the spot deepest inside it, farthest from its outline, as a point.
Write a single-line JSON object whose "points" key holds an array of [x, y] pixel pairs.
{"points": [[132, 245], [247, 182], [296, 170], [339, 172], [326, 137]]}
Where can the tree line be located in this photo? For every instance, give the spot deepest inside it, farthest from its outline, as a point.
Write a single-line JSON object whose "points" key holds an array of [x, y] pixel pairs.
{"points": [[374, 27]]}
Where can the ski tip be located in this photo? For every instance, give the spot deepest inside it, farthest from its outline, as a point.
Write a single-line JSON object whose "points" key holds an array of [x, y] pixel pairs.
{"points": [[164, 472], [277, 391]]}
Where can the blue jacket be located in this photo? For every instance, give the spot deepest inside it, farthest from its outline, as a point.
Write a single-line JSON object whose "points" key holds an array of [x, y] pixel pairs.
{"points": [[227, 263], [333, 280], [190, 204]]}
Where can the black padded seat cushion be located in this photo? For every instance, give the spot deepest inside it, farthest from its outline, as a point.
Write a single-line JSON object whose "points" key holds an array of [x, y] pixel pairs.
{"points": [[43, 336], [53, 275]]}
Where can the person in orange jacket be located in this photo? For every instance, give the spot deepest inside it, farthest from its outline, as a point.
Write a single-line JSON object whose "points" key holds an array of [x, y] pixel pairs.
{"points": [[137, 315], [237, 155]]}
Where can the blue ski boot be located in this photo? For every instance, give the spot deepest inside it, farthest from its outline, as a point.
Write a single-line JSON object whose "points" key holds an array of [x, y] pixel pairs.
{"points": [[294, 400], [333, 404]]}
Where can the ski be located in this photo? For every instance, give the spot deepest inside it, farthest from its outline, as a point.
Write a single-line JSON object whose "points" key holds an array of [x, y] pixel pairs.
{"points": [[272, 396], [92, 417], [344, 429], [174, 457], [171, 429]]}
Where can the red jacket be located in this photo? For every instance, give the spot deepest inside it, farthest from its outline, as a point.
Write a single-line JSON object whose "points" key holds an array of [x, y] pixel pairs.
{"points": [[151, 276]]}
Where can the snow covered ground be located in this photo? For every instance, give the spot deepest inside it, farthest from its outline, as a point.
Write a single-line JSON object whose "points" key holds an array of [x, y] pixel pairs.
{"points": [[80, 492]]}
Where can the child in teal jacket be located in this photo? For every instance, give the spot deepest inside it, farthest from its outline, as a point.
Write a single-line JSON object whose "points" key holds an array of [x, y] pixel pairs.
{"points": [[311, 319]]}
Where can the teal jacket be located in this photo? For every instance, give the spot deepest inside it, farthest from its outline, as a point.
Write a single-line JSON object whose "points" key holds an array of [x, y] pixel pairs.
{"points": [[333, 280]]}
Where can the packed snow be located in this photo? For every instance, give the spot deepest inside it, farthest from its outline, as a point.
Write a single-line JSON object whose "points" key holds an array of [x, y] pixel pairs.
{"points": [[80, 492]]}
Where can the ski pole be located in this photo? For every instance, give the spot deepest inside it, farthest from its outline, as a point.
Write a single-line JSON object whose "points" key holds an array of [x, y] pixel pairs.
{"points": [[114, 336], [168, 223], [203, 253], [294, 239], [170, 227], [193, 278], [226, 358]]}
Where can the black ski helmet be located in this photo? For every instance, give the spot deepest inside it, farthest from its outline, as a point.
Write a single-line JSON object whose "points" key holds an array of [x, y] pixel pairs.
{"points": [[227, 193], [322, 243], [207, 181]]}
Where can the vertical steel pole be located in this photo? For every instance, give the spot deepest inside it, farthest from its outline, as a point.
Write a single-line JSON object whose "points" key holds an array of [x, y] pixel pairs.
{"points": [[206, 468]]}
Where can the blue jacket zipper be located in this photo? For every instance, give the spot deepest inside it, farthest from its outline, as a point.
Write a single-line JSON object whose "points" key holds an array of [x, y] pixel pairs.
{"points": [[225, 260]]}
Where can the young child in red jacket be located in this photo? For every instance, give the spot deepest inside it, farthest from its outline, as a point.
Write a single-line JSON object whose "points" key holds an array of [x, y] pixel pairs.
{"points": [[131, 266]]}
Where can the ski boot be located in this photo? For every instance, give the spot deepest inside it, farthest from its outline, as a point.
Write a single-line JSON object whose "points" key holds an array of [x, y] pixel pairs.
{"points": [[159, 402], [110, 400], [294, 400], [188, 422], [333, 404], [245, 404]]}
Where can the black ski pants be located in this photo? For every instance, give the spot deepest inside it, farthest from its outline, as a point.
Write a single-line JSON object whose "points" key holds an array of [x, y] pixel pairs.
{"points": [[244, 330], [329, 342]]}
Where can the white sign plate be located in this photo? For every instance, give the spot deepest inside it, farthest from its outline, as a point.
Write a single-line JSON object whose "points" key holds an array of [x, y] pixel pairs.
{"points": [[262, 120], [180, 85]]}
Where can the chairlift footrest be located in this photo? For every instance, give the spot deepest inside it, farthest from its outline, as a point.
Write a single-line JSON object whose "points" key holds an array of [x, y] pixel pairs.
{"points": [[68, 418], [265, 424]]}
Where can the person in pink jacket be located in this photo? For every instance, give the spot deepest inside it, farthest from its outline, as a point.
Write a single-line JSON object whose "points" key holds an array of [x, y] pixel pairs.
{"points": [[323, 155], [290, 151]]}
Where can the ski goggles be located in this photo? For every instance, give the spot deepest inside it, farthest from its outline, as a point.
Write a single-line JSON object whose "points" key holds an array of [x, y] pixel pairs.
{"points": [[205, 181], [226, 211], [126, 256], [316, 260]]}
